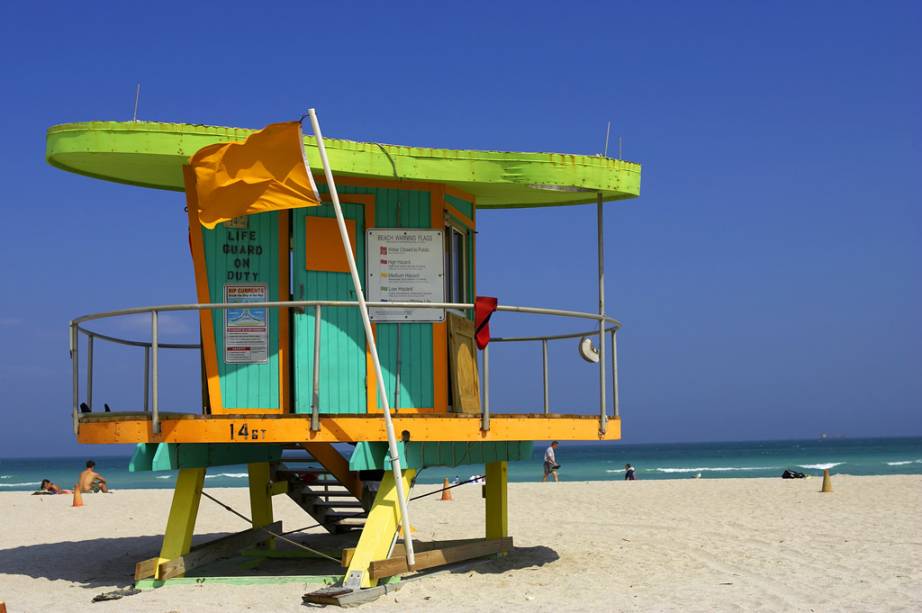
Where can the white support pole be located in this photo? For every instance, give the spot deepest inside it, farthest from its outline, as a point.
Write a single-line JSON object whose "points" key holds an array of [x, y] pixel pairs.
{"points": [[372, 347]]}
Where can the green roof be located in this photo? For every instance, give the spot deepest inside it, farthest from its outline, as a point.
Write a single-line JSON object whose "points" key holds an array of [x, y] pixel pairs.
{"points": [[151, 154]]}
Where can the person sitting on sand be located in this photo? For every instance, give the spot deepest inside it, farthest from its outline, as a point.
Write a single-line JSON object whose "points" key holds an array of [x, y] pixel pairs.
{"points": [[550, 462], [629, 473], [92, 481], [52, 488]]}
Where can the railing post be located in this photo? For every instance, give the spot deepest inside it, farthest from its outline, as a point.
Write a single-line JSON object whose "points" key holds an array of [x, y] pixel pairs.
{"points": [[75, 374], [547, 398], [603, 417], [315, 396], [485, 418], [89, 371], [155, 400], [614, 373], [147, 379]]}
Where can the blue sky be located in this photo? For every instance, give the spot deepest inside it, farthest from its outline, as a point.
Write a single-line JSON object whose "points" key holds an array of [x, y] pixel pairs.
{"points": [[768, 277]]}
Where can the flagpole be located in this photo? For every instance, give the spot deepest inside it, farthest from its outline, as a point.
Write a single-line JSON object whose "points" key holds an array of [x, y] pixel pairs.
{"points": [[372, 347]]}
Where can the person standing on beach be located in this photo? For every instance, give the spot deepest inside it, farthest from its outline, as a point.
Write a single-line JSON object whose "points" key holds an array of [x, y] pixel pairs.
{"points": [[629, 473], [92, 481], [550, 461]]}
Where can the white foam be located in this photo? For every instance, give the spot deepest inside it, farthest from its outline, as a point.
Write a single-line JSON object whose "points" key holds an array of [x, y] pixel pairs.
{"points": [[904, 462], [229, 475], [5, 476], [33, 483], [699, 469], [821, 466], [164, 476]]}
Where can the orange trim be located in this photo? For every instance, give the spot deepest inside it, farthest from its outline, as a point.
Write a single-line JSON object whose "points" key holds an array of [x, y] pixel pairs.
{"points": [[464, 219], [206, 319], [457, 193], [345, 428], [439, 330], [284, 280]]}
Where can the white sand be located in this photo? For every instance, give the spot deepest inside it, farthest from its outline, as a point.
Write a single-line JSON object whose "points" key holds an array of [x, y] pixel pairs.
{"points": [[684, 545]]}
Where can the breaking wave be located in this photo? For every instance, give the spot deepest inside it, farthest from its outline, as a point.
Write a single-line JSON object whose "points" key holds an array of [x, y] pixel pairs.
{"points": [[904, 462], [228, 475], [33, 483], [821, 466], [702, 469]]}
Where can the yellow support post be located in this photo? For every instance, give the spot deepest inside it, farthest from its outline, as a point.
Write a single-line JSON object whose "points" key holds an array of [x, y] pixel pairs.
{"points": [[177, 540], [260, 495], [497, 506], [380, 528]]}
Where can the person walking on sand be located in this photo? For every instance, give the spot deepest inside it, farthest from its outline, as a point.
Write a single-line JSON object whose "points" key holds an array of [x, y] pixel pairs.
{"points": [[550, 462], [629, 473], [92, 481]]}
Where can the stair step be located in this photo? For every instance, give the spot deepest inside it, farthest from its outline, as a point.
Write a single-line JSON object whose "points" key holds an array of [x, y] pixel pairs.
{"points": [[321, 493], [351, 522], [337, 504], [337, 516]]}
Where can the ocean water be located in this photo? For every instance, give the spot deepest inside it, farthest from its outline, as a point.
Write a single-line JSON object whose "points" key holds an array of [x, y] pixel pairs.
{"points": [[580, 461]]}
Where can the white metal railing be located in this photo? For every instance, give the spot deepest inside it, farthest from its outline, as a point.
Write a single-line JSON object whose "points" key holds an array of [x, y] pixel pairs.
{"points": [[607, 325]]}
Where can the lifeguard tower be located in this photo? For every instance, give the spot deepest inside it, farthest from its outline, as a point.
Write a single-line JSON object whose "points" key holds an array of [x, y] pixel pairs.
{"points": [[286, 375]]}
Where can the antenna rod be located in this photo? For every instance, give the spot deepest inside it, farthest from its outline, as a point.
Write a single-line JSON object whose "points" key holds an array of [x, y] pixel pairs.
{"points": [[620, 156], [607, 133], [137, 97]]}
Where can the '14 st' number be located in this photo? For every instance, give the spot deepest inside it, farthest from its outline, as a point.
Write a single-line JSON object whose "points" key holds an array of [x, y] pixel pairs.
{"points": [[244, 432]]}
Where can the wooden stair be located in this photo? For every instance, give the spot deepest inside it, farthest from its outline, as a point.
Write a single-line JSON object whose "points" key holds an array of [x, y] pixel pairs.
{"points": [[323, 486]]}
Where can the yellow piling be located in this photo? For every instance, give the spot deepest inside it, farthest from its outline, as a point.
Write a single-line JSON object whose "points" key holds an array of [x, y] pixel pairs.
{"points": [[827, 482]]}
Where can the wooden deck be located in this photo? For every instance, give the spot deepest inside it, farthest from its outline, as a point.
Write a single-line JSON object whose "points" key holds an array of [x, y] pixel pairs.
{"points": [[111, 428]]}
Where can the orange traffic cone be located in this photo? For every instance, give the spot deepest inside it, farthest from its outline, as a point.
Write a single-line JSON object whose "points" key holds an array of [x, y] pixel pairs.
{"points": [[446, 493], [78, 499], [827, 482]]}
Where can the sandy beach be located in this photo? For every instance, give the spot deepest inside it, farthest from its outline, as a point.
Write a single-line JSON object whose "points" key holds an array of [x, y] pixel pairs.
{"points": [[689, 545]]}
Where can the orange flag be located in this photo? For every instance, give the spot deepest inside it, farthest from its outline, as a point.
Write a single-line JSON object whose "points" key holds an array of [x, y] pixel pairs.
{"points": [[266, 172]]}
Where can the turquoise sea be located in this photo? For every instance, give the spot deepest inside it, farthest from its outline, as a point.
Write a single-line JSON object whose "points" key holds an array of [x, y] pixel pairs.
{"points": [[579, 462]]}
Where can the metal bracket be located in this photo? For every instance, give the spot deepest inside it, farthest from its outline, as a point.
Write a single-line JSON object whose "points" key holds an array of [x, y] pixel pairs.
{"points": [[353, 580]]}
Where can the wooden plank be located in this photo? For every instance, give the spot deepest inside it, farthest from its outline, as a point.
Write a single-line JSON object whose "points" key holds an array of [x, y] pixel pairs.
{"points": [[146, 569], [439, 557], [465, 381], [215, 550], [418, 547]]}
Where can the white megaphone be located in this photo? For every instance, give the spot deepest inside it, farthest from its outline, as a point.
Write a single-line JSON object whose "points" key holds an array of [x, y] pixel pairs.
{"points": [[588, 351]]}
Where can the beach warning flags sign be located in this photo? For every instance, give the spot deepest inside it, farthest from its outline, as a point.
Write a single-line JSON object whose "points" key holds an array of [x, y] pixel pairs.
{"points": [[266, 172]]}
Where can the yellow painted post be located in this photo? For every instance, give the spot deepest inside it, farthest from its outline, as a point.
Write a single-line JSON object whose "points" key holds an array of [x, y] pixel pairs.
{"points": [[380, 527], [497, 507], [177, 540], [260, 496]]}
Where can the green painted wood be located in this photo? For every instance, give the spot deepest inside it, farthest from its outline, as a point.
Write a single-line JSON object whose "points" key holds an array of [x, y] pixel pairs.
{"points": [[151, 154], [150, 584], [342, 336], [174, 456], [143, 457], [464, 207], [416, 386], [373, 455], [246, 385]]}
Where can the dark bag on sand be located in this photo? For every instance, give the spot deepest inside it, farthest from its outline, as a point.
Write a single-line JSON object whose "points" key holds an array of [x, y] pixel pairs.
{"points": [[792, 474]]}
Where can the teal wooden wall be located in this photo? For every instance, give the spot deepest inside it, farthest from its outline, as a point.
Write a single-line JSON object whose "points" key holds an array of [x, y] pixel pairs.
{"points": [[342, 360], [246, 385], [342, 336]]}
